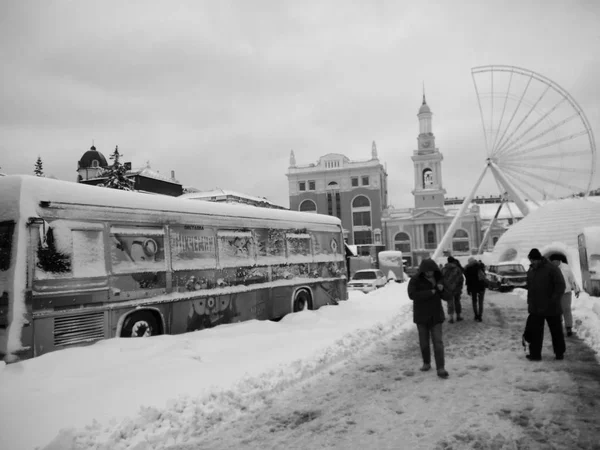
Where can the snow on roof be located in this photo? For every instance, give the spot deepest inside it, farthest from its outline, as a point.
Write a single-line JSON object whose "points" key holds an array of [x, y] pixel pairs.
{"points": [[556, 221], [33, 189], [149, 173], [223, 193]]}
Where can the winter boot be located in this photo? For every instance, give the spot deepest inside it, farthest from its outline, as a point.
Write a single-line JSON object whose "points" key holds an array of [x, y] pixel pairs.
{"points": [[442, 373], [569, 332], [451, 318], [458, 318], [425, 367]]}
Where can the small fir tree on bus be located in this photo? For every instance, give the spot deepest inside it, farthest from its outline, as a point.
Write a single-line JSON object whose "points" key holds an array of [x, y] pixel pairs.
{"points": [[116, 174], [39, 169]]}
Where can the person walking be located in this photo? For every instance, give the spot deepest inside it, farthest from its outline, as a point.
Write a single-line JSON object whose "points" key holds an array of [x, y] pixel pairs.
{"points": [[570, 285], [426, 290], [475, 280], [545, 288], [453, 280]]}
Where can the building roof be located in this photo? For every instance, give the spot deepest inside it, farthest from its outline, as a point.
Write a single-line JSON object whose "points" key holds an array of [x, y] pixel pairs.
{"points": [[91, 155], [224, 193]]}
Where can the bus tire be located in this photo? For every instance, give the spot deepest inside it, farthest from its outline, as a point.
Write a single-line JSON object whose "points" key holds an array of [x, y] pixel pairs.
{"points": [[140, 324], [302, 301]]}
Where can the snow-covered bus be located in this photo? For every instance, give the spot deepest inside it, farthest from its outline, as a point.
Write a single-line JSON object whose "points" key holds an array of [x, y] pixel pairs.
{"points": [[81, 263]]}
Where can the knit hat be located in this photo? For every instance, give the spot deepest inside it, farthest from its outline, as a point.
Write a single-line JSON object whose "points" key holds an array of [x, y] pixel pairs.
{"points": [[535, 254]]}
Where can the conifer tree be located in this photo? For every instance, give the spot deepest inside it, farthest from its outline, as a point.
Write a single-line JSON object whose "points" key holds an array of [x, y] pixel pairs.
{"points": [[39, 169], [116, 174]]}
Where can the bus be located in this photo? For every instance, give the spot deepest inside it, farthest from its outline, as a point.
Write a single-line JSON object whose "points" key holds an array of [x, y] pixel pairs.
{"points": [[82, 263]]}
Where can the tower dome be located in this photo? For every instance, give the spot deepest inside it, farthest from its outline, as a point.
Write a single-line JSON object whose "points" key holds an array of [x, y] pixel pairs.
{"points": [[88, 158], [424, 107]]}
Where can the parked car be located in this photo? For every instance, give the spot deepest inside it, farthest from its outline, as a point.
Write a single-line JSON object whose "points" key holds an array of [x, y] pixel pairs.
{"points": [[506, 276], [367, 280]]}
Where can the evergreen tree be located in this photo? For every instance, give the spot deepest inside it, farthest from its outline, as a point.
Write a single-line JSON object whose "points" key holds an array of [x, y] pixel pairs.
{"points": [[116, 174], [39, 169], [49, 258]]}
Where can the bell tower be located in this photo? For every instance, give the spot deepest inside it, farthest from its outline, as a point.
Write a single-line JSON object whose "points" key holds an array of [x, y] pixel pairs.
{"points": [[427, 160]]}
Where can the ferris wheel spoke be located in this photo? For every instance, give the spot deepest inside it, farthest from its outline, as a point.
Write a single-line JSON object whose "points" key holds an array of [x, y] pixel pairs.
{"points": [[502, 139], [517, 180], [487, 148], [552, 181], [537, 122], [545, 156], [550, 168], [523, 120], [549, 144], [542, 134], [503, 110]]}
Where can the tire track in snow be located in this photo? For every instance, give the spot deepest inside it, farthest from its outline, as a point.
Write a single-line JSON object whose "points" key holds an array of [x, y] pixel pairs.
{"points": [[494, 398]]}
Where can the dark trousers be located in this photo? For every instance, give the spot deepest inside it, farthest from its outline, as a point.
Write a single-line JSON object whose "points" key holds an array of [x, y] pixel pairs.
{"points": [[535, 325], [454, 305], [477, 298], [433, 332]]}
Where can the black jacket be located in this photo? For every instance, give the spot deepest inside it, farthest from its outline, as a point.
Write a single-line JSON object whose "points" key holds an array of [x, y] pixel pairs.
{"points": [[427, 306], [474, 284], [545, 287]]}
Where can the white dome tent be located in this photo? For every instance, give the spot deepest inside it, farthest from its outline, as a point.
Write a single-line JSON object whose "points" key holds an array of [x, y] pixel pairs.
{"points": [[552, 228]]}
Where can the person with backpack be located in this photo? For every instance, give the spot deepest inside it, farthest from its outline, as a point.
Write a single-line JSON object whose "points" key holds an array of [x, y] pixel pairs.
{"points": [[453, 279], [476, 284]]}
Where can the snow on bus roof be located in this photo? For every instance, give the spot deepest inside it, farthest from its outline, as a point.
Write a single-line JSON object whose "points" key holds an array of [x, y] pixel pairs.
{"points": [[32, 190]]}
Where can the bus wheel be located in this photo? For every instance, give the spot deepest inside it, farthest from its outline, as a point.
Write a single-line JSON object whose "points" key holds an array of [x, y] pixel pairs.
{"points": [[141, 324], [301, 301]]}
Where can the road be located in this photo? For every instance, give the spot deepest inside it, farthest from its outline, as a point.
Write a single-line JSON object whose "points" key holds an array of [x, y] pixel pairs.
{"points": [[494, 398]]}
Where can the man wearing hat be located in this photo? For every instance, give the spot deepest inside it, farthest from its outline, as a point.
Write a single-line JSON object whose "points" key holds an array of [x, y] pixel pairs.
{"points": [[545, 288]]}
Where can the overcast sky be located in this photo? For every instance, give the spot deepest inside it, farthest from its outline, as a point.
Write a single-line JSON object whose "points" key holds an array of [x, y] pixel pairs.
{"points": [[221, 91]]}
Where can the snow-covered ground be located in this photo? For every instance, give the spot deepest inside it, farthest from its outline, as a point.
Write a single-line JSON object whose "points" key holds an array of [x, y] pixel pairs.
{"points": [[125, 393]]}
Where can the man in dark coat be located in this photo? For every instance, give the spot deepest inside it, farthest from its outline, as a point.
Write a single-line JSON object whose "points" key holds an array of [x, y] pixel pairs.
{"points": [[426, 290], [475, 280], [545, 288], [452, 274]]}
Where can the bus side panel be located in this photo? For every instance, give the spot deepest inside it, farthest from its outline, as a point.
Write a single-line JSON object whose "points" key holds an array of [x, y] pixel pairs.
{"points": [[208, 312], [328, 293]]}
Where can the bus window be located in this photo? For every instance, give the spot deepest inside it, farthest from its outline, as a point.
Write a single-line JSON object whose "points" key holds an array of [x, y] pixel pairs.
{"points": [[270, 245], [137, 249], [6, 233], [298, 245], [236, 248], [326, 246], [88, 253], [192, 247]]}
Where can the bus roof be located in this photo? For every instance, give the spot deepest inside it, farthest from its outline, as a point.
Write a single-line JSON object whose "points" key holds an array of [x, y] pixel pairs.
{"points": [[28, 191]]}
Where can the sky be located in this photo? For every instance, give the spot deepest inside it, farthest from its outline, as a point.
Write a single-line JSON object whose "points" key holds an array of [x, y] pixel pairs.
{"points": [[221, 92], [99, 396]]}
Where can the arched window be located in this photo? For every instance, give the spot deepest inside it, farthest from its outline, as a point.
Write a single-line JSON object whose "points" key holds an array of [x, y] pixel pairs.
{"points": [[308, 206], [427, 178], [333, 185], [361, 220], [460, 241], [402, 242], [95, 163], [494, 240]]}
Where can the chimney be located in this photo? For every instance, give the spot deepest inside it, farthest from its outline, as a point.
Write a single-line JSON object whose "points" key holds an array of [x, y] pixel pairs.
{"points": [[172, 174]]}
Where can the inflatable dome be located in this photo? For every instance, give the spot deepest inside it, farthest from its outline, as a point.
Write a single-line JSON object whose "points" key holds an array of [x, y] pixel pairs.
{"points": [[555, 224]]}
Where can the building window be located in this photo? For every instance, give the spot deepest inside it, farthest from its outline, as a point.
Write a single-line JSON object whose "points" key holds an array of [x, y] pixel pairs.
{"points": [[338, 206], [95, 163], [308, 206], [330, 204], [302, 185], [365, 181], [311, 185], [354, 181], [427, 178], [402, 242], [377, 235], [361, 218], [362, 237], [460, 241], [361, 202], [494, 240], [430, 237]]}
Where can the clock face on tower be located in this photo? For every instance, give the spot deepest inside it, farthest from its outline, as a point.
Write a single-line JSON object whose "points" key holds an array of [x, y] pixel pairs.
{"points": [[426, 144]]}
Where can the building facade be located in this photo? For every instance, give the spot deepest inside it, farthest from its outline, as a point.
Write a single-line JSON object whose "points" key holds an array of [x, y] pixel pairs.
{"points": [[417, 231], [354, 191]]}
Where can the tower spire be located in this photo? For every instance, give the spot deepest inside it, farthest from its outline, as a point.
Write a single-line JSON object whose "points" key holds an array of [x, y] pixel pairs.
{"points": [[292, 159], [424, 102], [374, 151]]}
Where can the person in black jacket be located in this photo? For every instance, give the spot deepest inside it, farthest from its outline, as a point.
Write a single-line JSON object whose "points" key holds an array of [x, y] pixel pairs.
{"points": [[426, 290], [545, 288], [475, 281]]}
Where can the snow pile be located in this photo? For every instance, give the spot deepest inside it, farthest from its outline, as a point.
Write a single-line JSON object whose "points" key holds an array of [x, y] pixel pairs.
{"points": [[170, 387]]}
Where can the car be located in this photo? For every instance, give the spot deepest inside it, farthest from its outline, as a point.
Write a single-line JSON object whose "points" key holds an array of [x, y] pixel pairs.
{"points": [[367, 280], [506, 276]]}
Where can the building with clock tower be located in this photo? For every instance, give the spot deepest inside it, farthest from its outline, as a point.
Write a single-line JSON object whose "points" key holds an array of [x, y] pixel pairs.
{"points": [[417, 231]]}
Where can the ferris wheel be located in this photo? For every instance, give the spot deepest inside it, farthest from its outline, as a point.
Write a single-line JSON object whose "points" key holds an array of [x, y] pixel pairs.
{"points": [[539, 144]]}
